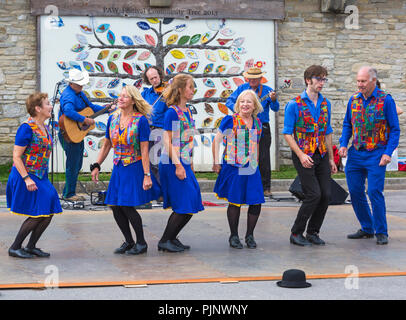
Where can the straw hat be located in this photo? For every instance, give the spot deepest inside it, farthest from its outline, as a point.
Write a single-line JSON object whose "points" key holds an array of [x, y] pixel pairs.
{"points": [[78, 77], [253, 73]]}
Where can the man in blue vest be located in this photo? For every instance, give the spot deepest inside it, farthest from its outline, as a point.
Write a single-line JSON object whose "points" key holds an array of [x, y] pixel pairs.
{"points": [[372, 121], [270, 102]]}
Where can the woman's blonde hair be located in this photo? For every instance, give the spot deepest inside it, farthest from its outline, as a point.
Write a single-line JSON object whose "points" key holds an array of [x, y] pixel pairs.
{"points": [[35, 99], [172, 94], [140, 105], [258, 106]]}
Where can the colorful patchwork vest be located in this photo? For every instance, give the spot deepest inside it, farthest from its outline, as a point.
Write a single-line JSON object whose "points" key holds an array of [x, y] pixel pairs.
{"points": [[182, 136], [36, 155], [241, 143], [126, 145], [369, 128], [310, 135]]}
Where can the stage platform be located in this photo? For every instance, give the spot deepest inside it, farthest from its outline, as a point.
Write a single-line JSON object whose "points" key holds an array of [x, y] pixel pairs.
{"points": [[82, 242]]}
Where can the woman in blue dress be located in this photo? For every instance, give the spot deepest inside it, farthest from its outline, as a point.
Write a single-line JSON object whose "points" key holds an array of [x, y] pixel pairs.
{"points": [[239, 180], [29, 192], [131, 183], [180, 188]]}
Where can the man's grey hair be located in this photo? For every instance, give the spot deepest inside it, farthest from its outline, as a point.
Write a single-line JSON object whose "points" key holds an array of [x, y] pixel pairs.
{"points": [[373, 73]]}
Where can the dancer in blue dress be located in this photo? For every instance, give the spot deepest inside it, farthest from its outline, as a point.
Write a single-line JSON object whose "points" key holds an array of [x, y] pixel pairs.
{"points": [[29, 192], [131, 183], [180, 188], [239, 180]]}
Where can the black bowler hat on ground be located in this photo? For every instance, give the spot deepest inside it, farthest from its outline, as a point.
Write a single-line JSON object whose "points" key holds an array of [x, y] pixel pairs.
{"points": [[294, 278]]}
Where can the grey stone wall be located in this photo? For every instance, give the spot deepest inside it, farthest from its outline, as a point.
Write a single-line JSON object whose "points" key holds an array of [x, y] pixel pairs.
{"points": [[305, 37]]}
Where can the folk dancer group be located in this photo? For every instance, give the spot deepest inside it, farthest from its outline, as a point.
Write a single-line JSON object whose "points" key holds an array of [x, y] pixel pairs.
{"points": [[243, 169]]}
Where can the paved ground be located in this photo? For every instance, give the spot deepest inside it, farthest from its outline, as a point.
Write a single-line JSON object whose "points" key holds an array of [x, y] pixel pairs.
{"points": [[81, 244]]}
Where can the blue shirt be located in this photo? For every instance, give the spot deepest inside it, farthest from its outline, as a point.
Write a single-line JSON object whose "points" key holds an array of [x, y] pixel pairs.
{"points": [[292, 113], [159, 108], [266, 104], [71, 103], [391, 117]]}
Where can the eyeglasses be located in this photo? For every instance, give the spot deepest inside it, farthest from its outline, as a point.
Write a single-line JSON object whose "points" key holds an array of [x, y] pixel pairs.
{"points": [[320, 79]]}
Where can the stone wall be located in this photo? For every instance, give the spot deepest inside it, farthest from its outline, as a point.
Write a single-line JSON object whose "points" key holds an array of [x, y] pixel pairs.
{"points": [[18, 52], [305, 37]]}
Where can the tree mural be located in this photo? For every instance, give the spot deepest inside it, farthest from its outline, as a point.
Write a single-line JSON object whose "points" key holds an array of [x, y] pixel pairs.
{"points": [[213, 54]]}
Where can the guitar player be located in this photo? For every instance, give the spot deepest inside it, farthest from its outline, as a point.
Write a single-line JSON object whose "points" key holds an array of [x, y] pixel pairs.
{"points": [[253, 77], [72, 101]]}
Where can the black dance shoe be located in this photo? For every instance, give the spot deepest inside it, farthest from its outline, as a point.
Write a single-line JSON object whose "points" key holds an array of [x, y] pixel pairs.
{"points": [[124, 247], [169, 246], [360, 234], [315, 239], [299, 240], [177, 243], [381, 239], [235, 242], [250, 242], [37, 252], [19, 253], [137, 249]]}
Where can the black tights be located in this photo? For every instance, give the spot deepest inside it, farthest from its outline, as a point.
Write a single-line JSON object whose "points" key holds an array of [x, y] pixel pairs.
{"points": [[233, 216], [175, 224], [35, 225], [126, 215]]}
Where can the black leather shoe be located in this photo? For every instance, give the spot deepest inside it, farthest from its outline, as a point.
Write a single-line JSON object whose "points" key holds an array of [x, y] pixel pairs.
{"points": [[360, 235], [37, 252], [137, 249], [381, 239], [177, 243], [19, 253], [169, 246], [250, 242], [235, 242], [124, 247], [315, 239], [299, 240]]}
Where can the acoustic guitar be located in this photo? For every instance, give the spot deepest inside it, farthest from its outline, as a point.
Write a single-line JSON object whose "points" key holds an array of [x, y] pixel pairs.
{"points": [[74, 131]]}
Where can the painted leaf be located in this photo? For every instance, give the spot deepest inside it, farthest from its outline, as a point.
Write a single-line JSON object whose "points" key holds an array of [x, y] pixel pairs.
{"points": [[62, 65], [223, 108], [234, 70], [223, 55], [127, 41], [112, 94], [205, 38], [193, 66], [172, 39], [115, 55], [195, 39], [85, 29], [101, 83], [223, 42], [208, 68], [206, 122], [88, 66], [99, 66], [111, 37], [182, 66], [130, 55], [226, 84], [99, 94], [236, 57], [138, 40], [180, 27], [167, 20], [113, 83], [217, 122], [208, 108], [138, 83], [238, 81], [177, 54], [144, 56], [103, 28], [238, 42], [82, 39], [75, 65], [150, 40], [192, 54], [226, 93], [209, 83], [112, 66], [227, 32], [210, 55], [143, 25], [77, 48], [183, 40], [82, 56], [127, 68], [103, 54], [171, 68], [153, 20], [221, 68], [209, 93]]}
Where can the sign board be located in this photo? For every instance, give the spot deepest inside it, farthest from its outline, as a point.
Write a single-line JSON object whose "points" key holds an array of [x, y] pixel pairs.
{"points": [[116, 50]]}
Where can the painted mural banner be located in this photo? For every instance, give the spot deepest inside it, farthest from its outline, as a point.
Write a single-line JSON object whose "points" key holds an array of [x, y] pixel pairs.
{"points": [[116, 51]]}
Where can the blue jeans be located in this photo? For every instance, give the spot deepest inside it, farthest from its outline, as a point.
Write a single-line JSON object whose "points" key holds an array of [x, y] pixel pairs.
{"points": [[74, 161], [363, 165]]}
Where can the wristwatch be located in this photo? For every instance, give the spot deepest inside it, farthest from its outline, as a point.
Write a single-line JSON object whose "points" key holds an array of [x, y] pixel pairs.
{"points": [[94, 166], [147, 174]]}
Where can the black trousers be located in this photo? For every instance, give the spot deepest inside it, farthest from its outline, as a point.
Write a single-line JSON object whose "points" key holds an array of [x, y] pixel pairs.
{"points": [[265, 156], [316, 187]]}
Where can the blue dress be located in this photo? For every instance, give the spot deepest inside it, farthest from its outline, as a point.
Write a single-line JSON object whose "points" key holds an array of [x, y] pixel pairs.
{"points": [[43, 202], [125, 186], [238, 186], [183, 196]]}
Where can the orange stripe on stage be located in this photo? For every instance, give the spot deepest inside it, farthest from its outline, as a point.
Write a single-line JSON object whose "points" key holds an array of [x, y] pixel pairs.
{"points": [[202, 280]]}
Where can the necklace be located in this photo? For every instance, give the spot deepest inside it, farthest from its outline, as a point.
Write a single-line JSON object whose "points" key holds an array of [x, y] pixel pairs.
{"points": [[124, 122]]}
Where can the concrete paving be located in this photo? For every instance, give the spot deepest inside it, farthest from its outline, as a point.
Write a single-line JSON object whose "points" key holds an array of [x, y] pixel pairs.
{"points": [[81, 243]]}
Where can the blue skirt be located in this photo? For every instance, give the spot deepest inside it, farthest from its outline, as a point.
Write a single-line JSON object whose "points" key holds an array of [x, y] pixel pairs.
{"points": [[43, 202], [125, 186], [237, 188], [183, 196]]}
